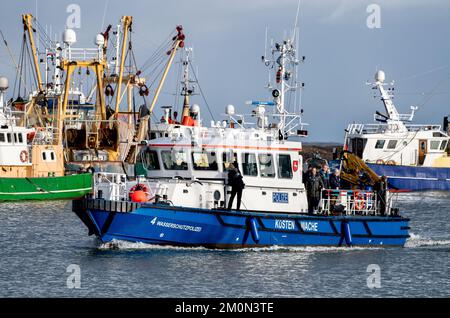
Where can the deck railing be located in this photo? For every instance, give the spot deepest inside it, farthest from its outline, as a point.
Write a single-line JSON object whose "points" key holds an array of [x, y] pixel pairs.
{"points": [[115, 187], [352, 202], [82, 54], [360, 129]]}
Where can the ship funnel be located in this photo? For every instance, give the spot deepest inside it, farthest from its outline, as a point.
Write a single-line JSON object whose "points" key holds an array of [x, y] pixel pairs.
{"points": [[380, 76]]}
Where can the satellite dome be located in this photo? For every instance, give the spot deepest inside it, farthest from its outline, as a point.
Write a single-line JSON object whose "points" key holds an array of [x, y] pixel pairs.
{"points": [[195, 109], [99, 40], [260, 110], [3, 83], [69, 37], [229, 110], [380, 76]]}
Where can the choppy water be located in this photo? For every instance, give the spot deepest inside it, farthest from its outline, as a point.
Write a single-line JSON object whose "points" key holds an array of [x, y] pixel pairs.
{"points": [[39, 240]]}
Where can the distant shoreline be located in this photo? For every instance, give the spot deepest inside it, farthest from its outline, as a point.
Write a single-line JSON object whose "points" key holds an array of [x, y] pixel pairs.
{"points": [[324, 149]]}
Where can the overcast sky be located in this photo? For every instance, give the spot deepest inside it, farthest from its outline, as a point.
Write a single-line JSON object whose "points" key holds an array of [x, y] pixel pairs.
{"points": [[342, 53]]}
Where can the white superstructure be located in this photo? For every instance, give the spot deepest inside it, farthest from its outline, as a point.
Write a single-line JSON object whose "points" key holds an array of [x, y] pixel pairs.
{"points": [[25, 152], [186, 163], [394, 140]]}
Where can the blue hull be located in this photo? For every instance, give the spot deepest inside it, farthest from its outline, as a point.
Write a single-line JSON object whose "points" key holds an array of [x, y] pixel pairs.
{"points": [[407, 178], [178, 226]]}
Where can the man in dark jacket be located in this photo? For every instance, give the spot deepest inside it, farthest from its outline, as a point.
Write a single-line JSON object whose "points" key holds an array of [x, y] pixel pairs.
{"points": [[237, 185], [314, 186], [335, 179], [306, 174], [325, 174]]}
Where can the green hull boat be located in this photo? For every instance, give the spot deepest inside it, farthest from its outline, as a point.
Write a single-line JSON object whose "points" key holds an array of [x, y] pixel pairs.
{"points": [[48, 188]]}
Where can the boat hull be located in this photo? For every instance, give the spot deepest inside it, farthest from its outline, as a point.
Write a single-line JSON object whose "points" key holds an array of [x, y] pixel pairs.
{"points": [[406, 178], [164, 225], [48, 188]]}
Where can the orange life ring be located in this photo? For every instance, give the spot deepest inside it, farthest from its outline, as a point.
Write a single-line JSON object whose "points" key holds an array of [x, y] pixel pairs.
{"points": [[138, 193], [23, 156], [360, 202], [380, 162]]}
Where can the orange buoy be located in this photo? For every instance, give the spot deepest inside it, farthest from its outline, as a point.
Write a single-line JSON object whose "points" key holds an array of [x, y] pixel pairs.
{"points": [[138, 196]]}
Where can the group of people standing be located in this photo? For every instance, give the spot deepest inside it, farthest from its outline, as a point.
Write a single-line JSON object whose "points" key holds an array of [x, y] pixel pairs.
{"points": [[316, 181]]}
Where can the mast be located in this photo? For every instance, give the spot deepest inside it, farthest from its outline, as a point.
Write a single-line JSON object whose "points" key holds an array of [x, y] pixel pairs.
{"points": [[394, 119], [28, 26], [385, 97], [3, 87], [282, 70], [187, 90], [127, 20], [284, 60]]}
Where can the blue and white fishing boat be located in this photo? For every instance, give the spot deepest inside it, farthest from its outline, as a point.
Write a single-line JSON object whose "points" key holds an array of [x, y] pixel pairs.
{"points": [[183, 196], [413, 157]]}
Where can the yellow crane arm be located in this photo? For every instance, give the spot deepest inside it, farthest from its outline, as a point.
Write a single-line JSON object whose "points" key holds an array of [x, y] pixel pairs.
{"points": [[179, 42], [352, 166], [28, 25]]}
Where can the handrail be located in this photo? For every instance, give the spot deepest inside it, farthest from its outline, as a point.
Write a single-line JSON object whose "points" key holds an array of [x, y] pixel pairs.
{"points": [[359, 129], [351, 202]]}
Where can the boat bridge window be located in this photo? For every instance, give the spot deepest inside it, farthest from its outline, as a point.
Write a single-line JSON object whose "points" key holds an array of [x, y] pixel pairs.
{"points": [[174, 160], [380, 144], [284, 167], [266, 165], [392, 144], [48, 155], [443, 144], [8, 135], [18, 138], [204, 161], [227, 158], [2, 138], [434, 144], [150, 160], [249, 165]]}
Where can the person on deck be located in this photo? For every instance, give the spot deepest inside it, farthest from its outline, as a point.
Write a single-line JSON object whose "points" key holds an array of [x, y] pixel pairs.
{"points": [[306, 174], [235, 180], [314, 186], [335, 179], [325, 175]]}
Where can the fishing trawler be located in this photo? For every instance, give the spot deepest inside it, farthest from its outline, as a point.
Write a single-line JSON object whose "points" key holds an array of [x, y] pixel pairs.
{"points": [[97, 135], [413, 157], [183, 197], [31, 162]]}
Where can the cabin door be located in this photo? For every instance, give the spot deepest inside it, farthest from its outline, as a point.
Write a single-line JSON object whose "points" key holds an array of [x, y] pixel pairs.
{"points": [[358, 145], [422, 150]]}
